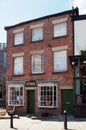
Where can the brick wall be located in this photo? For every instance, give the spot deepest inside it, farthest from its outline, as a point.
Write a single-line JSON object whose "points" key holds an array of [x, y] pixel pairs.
{"points": [[66, 78]]}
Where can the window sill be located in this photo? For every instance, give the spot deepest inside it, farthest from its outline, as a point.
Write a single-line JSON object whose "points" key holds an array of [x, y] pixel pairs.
{"points": [[18, 45], [15, 75], [61, 72], [47, 106], [60, 37], [37, 41], [15, 105], [36, 73]]}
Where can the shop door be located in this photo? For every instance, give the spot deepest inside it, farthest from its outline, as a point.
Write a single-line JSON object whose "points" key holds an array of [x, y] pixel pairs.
{"points": [[31, 101], [67, 100]]}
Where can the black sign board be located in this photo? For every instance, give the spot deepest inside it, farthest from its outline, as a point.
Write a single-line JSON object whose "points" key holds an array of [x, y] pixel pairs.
{"points": [[30, 83]]}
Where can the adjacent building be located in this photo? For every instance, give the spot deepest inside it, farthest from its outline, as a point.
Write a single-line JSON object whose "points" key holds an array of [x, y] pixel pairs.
{"points": [[78, 62], [39, 76], [2, 70]]}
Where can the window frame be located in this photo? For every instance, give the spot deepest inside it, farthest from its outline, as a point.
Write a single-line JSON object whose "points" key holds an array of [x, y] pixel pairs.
{"points": [[64, 69], [61, 32], [17, 40], [41, 63], [37, 37], [15, 66], [15, 95], [52, 100]]}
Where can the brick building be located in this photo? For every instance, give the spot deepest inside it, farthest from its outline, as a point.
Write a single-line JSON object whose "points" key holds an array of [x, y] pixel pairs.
{"points": [[39, 77], [2, 70]]}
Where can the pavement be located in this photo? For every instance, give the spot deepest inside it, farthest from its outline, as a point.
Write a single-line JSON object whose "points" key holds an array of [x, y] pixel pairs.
{"points": [[28, 122]]}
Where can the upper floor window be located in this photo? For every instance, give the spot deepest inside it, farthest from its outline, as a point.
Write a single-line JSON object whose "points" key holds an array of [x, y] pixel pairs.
{"points": [[60, 29], [60, 61], [37, 63], [37, 34], [18, 38], [18, 65]]}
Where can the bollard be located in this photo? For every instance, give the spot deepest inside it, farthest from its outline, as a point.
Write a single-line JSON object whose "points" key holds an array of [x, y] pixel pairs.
{"points": [[65, 120], [11, 113], [11, 121]]}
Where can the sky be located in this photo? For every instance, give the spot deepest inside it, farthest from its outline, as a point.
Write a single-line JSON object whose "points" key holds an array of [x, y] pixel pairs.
{"points": [[16, 11]]}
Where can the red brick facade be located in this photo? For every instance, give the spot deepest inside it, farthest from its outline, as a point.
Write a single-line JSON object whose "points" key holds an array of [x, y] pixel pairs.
{"points": [[47, 45]]}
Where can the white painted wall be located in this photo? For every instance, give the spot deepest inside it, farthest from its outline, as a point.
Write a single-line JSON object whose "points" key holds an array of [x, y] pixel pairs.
{"points": [[79, 36]]}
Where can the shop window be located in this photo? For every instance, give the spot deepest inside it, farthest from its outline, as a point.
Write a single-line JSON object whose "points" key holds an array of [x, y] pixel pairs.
{"points": [[60, 61], [37, 34], [47, 97], [15, 96], [18, 38], [37, 63], [60, 29], [18, 65]]}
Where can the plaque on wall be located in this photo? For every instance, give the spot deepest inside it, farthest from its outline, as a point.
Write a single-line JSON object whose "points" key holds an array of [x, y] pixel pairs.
{"points": [[31, 83]]}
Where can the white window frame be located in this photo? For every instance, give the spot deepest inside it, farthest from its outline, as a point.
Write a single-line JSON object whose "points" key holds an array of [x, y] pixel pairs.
{"points": [[60, 29], [47, 102], [60, 61], [37, 63], [18, 66], [37, 34], [14, 96], [18, 38]]}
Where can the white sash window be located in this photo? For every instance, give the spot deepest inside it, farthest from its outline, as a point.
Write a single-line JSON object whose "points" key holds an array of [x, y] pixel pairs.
{"points": [[60, 29], [38, 63], [18, 38], [60, 61], [18, 65], [37, 34]]}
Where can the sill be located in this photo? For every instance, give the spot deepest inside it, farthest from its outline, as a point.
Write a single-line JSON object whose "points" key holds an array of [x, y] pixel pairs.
{"points": [[18, 45], [59, 37], [61, 72], [36, 73], [16, 105], [47, 106], [37, 41], [15, 75]]}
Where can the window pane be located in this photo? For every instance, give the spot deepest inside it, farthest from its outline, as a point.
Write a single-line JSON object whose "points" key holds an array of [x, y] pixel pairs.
{"points": [[37, 63], [60, 29], [60, 61], [37, 34], [18, 38], [16, 96], [18, 65], [47, 96]]}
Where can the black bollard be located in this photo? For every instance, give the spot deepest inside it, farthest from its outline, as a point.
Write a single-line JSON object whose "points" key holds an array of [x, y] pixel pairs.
{"points": [[65, 120], [11, 113], [11, 121]]}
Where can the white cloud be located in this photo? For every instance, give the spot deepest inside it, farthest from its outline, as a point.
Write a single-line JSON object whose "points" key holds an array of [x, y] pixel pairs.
{"points": [[81, 4]]}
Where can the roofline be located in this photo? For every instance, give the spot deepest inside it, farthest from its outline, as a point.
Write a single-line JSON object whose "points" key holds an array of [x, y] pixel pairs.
{"points": [[79, 17], [44, 17]]}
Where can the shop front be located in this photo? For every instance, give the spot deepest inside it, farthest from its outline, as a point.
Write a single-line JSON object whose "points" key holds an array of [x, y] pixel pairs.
{"points": [[42, 97]]}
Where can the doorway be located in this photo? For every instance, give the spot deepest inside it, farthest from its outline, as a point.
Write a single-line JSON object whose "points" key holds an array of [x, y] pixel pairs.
{"points": [[67, 100], [31, 101]]}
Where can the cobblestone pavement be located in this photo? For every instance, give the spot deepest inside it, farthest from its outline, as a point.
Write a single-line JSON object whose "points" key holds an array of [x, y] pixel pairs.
{"points": [[54, 123]]}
